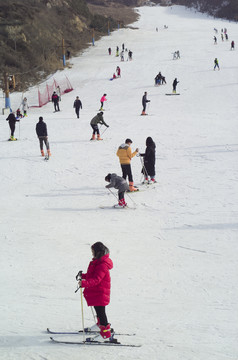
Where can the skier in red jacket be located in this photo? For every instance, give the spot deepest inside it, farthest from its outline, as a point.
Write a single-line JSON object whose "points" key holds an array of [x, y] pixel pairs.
{"points": [[97, 284]]}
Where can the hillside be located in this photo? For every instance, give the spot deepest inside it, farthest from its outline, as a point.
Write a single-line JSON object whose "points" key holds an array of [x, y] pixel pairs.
{"points": [[218, 8], [31, 34]]}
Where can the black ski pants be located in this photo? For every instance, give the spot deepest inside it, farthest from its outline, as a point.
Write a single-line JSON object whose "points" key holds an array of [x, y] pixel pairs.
{"points": [[121, 195], [126, 171], [44, 139], [77, 111], [101, 314], [12, 127], [95, 129], [56, 105]]}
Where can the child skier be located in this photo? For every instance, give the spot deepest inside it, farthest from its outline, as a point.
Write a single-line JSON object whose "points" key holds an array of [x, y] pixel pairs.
{"points": [[216, 65], [25, 106], [103, 99], [98, 119], [118, 183], [118, 71], [149, 161], [41, 131], [97, 283]]}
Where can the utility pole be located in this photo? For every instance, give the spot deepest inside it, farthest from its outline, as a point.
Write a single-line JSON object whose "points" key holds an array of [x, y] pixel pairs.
{"points": [[93, 37], [7, 92], [63, 52]]}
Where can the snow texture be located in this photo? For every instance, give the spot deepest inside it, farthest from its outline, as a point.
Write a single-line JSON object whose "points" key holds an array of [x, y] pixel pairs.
{"points": [[174, 280]]}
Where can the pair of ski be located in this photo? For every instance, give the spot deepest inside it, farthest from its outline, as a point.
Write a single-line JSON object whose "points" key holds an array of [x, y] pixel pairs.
{"points": [[87, 342]]}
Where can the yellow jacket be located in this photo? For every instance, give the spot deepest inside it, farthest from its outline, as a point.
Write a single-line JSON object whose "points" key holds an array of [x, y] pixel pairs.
{"points": [[125, 155]]}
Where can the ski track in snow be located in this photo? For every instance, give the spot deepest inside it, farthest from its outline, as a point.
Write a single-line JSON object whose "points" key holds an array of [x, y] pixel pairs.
{"points": [[174, 281]]}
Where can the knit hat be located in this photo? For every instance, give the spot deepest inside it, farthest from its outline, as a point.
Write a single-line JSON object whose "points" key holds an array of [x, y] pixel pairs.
{"points": [[108, 177]]}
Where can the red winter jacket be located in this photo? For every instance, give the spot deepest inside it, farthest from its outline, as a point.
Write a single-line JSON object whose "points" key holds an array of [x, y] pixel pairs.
{"points": [[97, 281]]}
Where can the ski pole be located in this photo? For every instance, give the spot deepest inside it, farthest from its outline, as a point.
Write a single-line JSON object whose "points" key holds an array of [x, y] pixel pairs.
{"points": [[143, 168], [94, 316], [148, 107], [131, 200], [78, 278], [81, 294], [104, 131], [112, 193]]}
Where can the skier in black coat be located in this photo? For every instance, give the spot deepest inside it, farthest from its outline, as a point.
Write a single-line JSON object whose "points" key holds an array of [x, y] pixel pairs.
{"points": [[12, 124], [149, 161], [144, 102], [77, 106], [175, 83], [41, 131]]}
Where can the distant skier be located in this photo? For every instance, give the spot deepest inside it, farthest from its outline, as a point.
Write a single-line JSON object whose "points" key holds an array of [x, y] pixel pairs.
{"points": [[130, 55], [148, 169], [55, 100], [77, 106], [12, 124], [103, 99], [216, 65], [117, 51], [58, 92], [233, 45], [144, 103], [98, 119], [41, 131], [109, 51], [175, 83], [25, 106], [118, 71], [215, 40], [222, 37], [18, 114], [97, 284], [226, 36], [125, 155], [121, 185]]}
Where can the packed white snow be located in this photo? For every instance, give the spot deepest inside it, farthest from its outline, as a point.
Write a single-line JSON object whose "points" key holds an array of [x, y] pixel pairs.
{"points": [[174, 281]]}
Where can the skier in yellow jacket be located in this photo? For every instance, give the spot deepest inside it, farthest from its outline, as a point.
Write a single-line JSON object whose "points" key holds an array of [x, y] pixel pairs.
{"points": [[125, 155]]}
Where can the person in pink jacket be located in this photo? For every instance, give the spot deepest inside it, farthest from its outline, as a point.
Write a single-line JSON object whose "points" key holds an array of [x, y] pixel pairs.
{"points": [[103, 99], [97, 285]]}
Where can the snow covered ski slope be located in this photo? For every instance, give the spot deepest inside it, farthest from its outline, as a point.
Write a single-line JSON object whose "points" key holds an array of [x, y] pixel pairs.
{"points": [[174, 281]]}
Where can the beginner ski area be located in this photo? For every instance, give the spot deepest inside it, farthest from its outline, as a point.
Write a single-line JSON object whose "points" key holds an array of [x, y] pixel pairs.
{"points": [[174, 281]]}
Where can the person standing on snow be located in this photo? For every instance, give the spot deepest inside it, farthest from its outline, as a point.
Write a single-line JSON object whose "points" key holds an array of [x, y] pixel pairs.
{"points": [[118, 71], [149, 161], [96, 283], [121, 185], [144, 103], [175, 83], [58, 92], [25, 106], [98, 119], [216, 65], [55, 100], [77, 106], [125, 155], [233, 45], [103, 99], [41, 131], [12, 124]]}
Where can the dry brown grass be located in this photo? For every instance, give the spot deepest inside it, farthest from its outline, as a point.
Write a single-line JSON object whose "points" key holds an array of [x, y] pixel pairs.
{"points": [[122, 14]]}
